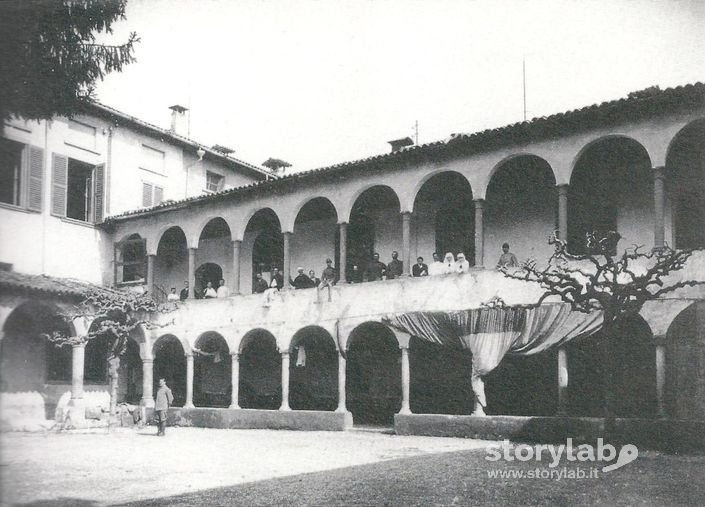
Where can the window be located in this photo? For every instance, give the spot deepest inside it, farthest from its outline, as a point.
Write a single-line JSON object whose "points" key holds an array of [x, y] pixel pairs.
{"points": [[131, 260], [152, 159], [81, 135], [77, 189], [21, 173], [152, 195], [214, 182]]}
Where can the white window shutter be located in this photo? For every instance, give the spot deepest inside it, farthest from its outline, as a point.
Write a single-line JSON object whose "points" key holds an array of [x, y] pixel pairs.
{"points": [[35, 175], [59, 177], [146, 195], [99, 192], [158, 195]]}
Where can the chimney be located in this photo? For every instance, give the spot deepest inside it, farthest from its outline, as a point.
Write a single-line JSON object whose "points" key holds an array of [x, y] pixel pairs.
{"points": [[398, 144], [179, 120]]}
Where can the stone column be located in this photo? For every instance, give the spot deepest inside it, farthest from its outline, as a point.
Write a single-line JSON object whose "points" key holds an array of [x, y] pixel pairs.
{"points": [[660, 379], [405, 381], [285, 381], [341, 383], [192, 271], [479, 233], [189, 381], [659, 207], [343, 252], [562, 381], [150, 274], [287, 260], [236, 266], [563, 212], [235, 380], [77, 367], [147, 382], [406, 241]]}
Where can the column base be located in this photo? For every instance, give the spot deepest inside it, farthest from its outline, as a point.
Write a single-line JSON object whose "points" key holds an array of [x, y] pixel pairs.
{"points": [[285, 408], [405, 411], [189, 405], [342, 410], [234, 407]]}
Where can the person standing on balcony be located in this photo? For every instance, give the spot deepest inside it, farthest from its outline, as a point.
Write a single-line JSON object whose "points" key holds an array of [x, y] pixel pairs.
{"points": [[161, 406], [396, 267], [209, 292], [436, 267], [302, 281], [260, 284], [312, 275], [375, 269], [449, 264], [223, 290], [507, 259], [462, 266], [277, 281], [183, 296], [172, 296], [328, 278], [419, 269]]}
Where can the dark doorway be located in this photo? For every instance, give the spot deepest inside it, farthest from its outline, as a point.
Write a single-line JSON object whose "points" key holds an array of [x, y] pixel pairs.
{"points": [[260, 372], [170, 364], [313, 373]]}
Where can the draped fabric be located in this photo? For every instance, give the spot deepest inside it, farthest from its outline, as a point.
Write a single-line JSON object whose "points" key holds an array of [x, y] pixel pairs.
{"points": [[491, 333]]}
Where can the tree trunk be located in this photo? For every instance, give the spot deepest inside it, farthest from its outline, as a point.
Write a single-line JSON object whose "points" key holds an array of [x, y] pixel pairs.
{"points": [[114, 377], [609, 365]]}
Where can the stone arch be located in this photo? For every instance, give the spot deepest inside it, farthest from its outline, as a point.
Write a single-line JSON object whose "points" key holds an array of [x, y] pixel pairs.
{"points": [[313, 367], [263, 243], [260, 371], [316, 236], [634, 380], [510, 158], [444, 217], [375, 225], [303, 203], [153, 241], [169, 354], [373, 371], [171, 262], [520, 207], [611, 188], [685, 168], [201, 229], [346, 213], [684, 397], [591, 144], [212, 368], [427, 176], [28, 359]]}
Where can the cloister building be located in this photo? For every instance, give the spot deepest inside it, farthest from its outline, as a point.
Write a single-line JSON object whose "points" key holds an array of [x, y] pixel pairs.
{"points": [[635, 165]]}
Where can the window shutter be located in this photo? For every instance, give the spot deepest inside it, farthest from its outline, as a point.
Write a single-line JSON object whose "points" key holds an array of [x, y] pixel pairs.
{"points": [[158, 195], [99, 192], [35, 175], [59, 176], [146, 195]]}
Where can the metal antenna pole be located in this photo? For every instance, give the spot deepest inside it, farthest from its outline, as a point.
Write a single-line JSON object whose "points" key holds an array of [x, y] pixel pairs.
{"points": [[523, 75]]}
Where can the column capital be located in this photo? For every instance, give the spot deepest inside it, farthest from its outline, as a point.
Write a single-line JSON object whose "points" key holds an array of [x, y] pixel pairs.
{"points": [[235, 355], [147, 360], [343, 222], [188, 355], [284, 353], [479, 203], [406, 213], [562, 188], [78, 344], [659, 172], [287, 233], [237, 242]]}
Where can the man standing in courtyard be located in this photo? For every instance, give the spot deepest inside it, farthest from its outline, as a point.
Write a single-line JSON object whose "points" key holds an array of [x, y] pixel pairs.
{"points": [[161, 407]]}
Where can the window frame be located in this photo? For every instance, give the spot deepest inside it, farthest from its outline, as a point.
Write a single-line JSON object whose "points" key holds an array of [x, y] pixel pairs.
{"points": [[221, 182], [118, 254]]}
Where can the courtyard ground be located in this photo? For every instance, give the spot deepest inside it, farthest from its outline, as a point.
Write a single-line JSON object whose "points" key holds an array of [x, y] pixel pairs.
{"points": [[194, 466]]}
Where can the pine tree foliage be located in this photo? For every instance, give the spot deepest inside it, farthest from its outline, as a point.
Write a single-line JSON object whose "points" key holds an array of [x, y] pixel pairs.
{"points": [[50, 58]]}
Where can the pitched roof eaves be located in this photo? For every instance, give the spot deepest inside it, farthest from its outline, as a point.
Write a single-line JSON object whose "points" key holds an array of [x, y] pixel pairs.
{"points": [[552, 125], [179, 139]]}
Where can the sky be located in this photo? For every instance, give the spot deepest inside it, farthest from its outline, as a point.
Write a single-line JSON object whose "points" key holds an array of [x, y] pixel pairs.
{"points": [[317, 83]]}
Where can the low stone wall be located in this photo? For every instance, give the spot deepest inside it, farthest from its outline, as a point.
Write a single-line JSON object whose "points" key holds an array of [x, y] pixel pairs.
{"points": [[305, 420], [662, 434]]}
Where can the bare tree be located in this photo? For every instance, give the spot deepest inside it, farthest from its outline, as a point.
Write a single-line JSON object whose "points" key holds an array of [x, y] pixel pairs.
{"points": [[114, 314], [601, 280]]}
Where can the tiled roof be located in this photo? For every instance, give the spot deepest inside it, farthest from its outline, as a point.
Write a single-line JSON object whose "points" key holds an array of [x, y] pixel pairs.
{"points": [[103, 110], [62, 287], [642, 104]]}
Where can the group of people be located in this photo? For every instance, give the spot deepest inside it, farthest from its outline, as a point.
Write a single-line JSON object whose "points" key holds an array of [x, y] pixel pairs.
{"points": [[208, 292]]}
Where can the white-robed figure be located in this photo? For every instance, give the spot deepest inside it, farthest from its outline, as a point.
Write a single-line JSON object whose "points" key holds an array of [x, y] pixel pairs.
{"points": [[436, 267], [449, 263], [462, 266]]}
